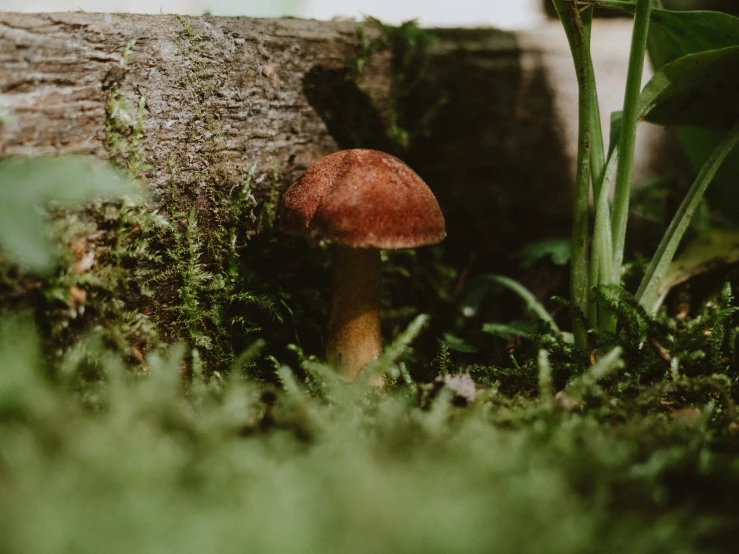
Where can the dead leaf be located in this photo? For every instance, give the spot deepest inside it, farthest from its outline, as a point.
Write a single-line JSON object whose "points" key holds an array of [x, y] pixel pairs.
{"points": [[688, 416], [461, 384]]}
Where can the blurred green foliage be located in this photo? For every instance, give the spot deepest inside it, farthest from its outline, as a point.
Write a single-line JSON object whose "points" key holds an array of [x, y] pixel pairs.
{"points": [[143, 462], [28, 186]]}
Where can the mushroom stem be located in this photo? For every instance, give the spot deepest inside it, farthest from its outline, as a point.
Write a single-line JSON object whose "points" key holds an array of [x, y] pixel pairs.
{"points": [[354, 337]]}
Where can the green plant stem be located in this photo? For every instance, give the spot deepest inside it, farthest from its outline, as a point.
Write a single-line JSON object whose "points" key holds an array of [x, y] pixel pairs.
{"points": [[597, 156], [628, 134], [597, 149], [601, 271], [597, 260], [577, 35], [648, 290], [579, 240]]}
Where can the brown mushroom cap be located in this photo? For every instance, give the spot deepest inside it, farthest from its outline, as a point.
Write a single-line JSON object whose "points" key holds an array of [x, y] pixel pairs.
{"points": [[363, 199]]}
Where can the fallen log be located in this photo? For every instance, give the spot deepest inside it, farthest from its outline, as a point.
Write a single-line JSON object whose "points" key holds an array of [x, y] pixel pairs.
{"points": [[197, 106]]}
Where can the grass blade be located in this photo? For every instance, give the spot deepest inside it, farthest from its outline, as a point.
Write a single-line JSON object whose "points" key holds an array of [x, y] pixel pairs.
{"points": [[484, 281], [649, 287]]}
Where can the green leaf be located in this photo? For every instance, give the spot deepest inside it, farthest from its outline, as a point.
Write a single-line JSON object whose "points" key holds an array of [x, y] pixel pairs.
{"points": [[698, 144], [698, 89], [458, 344], [510, 330], [601, 263], [66, 181], [615, 131], [674, 34], [647, 293], [712, 249], [24, 238], [558, 250], [681, 33], [29, 184], [479, 287]]}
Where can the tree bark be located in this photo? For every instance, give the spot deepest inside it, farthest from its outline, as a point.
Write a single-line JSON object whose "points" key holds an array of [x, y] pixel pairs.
{"points": [[234, 92]]}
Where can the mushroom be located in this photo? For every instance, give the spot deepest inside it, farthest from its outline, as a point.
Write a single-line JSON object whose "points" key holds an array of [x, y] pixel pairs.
{"points": [[362, 200]]}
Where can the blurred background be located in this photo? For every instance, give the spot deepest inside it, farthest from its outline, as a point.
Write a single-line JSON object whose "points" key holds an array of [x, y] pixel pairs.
{"points": [[500, 13], [506, 14]]}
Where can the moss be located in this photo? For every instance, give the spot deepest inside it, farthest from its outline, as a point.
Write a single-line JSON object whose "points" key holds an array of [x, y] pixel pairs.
{"points": [[460, 479], [213, 298], [107, 250], [409, 47], [124, 126], [213, 303]]}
